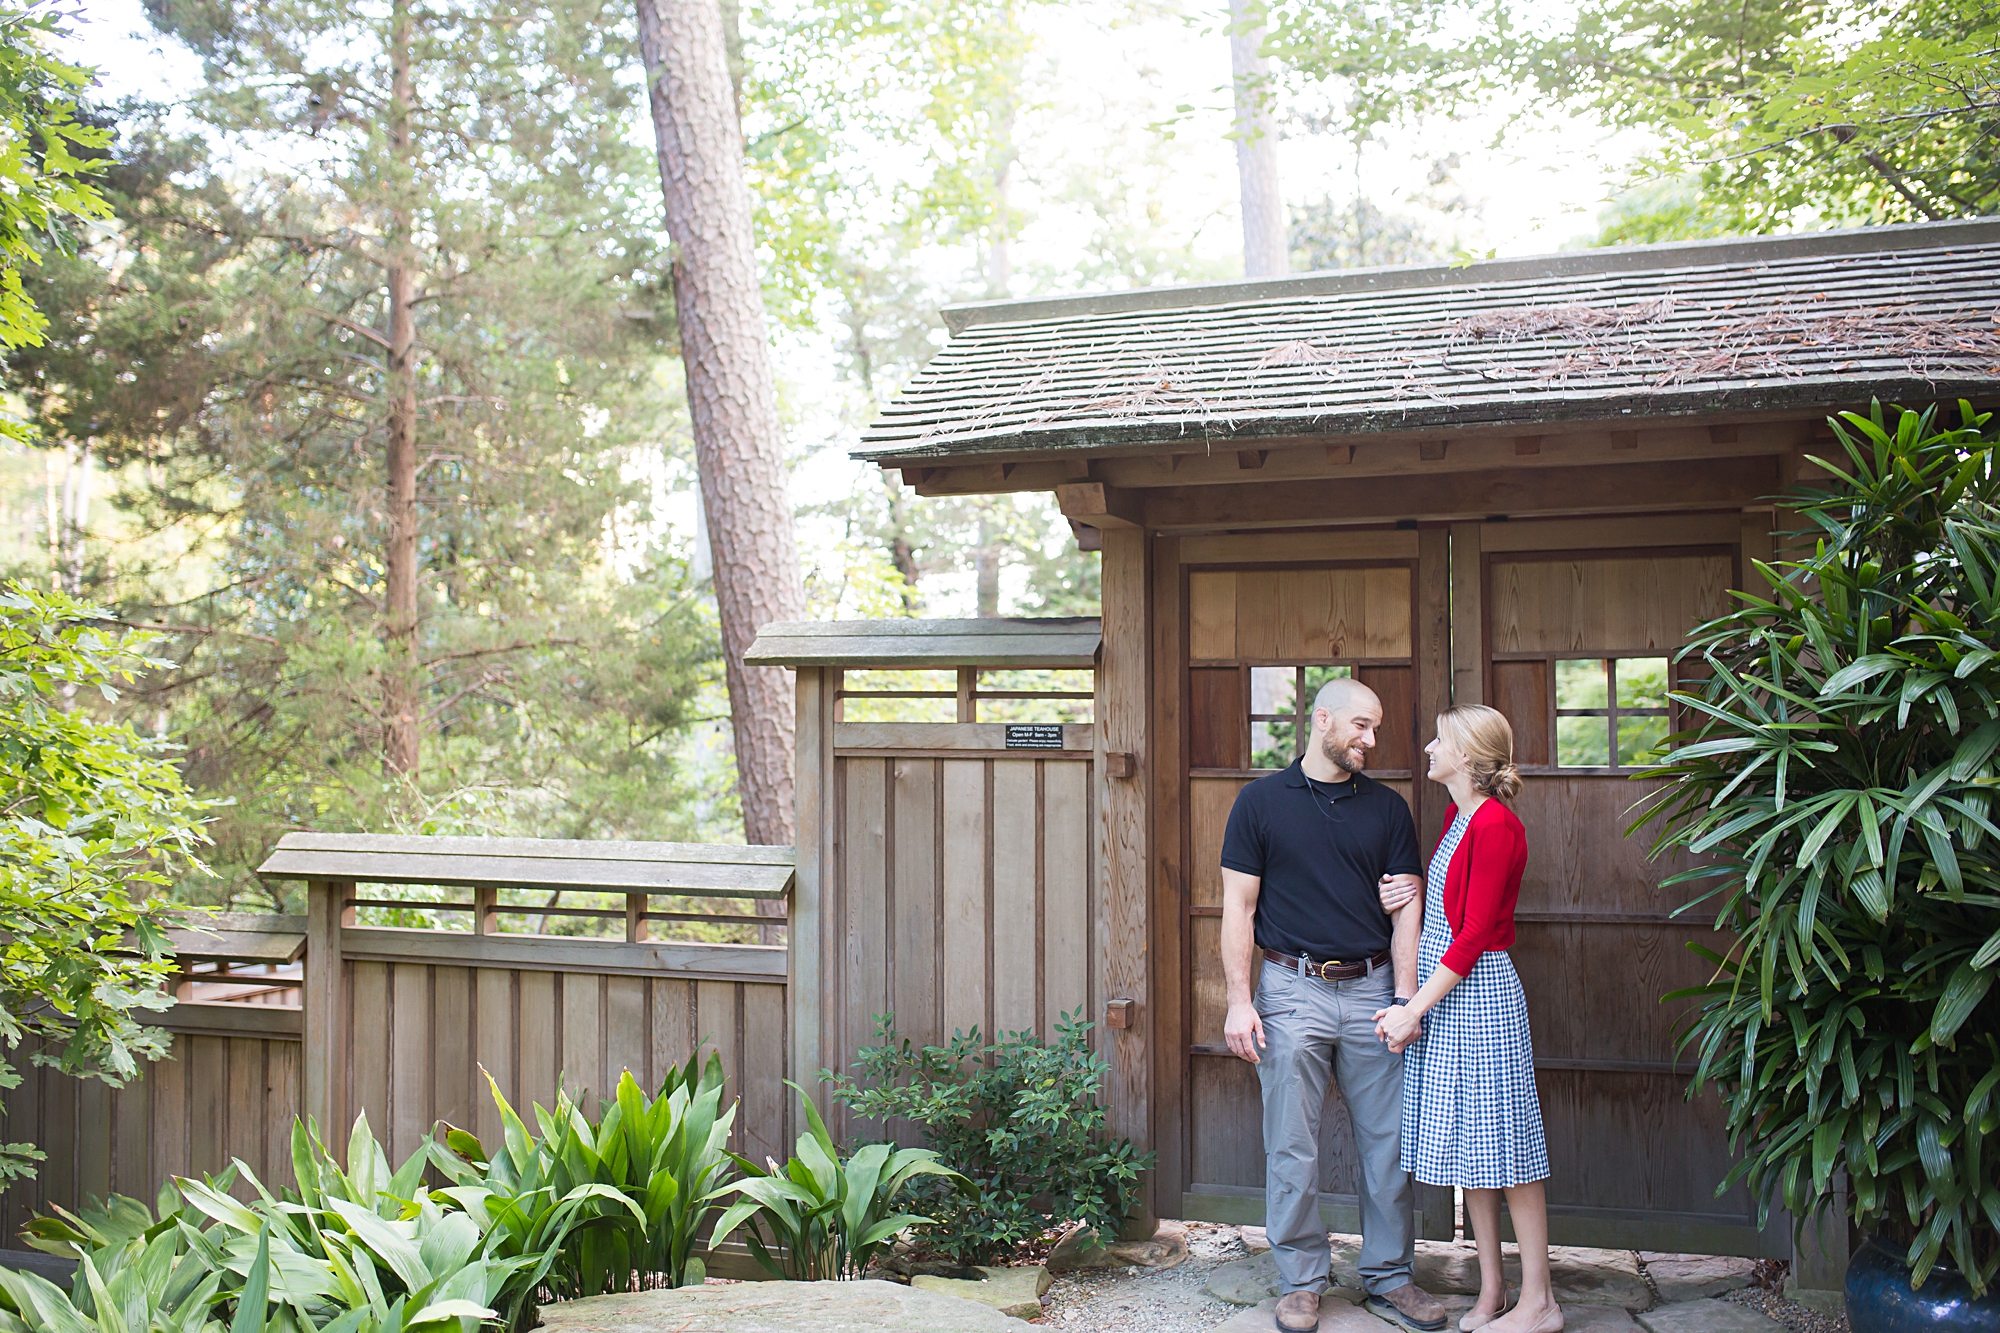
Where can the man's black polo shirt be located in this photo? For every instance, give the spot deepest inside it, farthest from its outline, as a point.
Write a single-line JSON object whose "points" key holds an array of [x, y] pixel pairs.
{"points": [[1321, 855]]}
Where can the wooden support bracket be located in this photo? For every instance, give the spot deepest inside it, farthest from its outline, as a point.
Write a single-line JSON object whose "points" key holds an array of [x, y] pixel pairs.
{"points": [[1340, 455], [1251, 459], [1120, 1013], [1120, 764], [1096, 505]]}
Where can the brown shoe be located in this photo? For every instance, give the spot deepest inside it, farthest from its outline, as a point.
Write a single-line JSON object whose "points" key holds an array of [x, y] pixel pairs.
{"points": [[1411, 1306], [1298, 1311]]}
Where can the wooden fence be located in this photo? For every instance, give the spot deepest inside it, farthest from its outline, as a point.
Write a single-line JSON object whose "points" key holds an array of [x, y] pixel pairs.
{"points": [[398, 1023]]}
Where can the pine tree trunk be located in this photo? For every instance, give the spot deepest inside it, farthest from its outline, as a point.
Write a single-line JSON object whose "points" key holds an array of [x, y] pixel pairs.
{"points": [[732, 394], [1256, 133], [401, 702]]}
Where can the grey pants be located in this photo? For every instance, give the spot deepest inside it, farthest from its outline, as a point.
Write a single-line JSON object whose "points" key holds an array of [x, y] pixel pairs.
{"points": [[1314, 1028]]}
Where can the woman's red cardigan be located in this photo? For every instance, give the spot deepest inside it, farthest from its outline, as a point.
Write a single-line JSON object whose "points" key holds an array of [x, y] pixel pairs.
{"points": [[1482, 884]]}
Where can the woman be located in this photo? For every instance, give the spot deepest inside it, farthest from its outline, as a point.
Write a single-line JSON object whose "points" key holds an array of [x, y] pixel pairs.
{"points": [[1471, 1116]]}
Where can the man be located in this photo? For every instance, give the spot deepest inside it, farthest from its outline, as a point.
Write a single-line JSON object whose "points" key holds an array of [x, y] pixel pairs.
{"points": [[1308, 956]]}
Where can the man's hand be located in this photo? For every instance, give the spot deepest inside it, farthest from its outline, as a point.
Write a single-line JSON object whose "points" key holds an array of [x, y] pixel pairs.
{"points": [[1398, 1027], [1399, 891], [1244, 1031]]}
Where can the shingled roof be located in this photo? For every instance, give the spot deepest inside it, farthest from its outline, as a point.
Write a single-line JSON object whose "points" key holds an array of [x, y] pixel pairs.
{"points": [[1743, 325]]}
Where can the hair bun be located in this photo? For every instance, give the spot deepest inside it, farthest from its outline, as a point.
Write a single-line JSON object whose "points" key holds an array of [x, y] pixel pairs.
{"points": [[1503, 782]]}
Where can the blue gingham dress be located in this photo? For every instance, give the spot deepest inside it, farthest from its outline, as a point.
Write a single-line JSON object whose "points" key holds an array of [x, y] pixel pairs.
{"points": [[1471, 1116]]}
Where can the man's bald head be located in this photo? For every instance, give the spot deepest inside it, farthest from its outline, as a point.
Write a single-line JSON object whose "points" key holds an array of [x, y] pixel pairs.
{"points": [[1343, 694], [1345, 715]]}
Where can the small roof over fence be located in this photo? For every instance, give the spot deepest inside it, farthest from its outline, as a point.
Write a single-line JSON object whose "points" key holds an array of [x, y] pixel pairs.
{"points": [[1785, 323], [1062, 643], [706, 870]]}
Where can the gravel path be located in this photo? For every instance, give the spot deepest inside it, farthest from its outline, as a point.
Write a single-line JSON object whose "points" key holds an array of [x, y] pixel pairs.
{"points": [[1127, 1299]]}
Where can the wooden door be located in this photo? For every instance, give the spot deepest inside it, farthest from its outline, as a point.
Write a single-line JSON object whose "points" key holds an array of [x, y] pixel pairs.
{"points": [[1260, 639], [1576, 650]]}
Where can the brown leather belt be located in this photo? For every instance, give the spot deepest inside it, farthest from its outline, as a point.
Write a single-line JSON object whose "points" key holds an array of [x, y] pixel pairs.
{"points": [[1331, 970]]}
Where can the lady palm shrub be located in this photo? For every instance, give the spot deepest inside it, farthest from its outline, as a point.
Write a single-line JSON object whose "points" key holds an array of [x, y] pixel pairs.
{"points": [[1837, 792]]}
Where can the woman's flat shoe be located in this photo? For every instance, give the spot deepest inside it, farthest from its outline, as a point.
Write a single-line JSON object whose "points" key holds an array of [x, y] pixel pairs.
{"points": [[1468, 1321]]}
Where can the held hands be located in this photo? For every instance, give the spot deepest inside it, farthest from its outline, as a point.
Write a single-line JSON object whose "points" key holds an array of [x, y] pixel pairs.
{"points": [[1244, 1031], [1399, 891], [1398, 1026]]}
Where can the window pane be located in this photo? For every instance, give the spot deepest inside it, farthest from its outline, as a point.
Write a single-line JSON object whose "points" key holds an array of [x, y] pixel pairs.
{"points": [[1272, 690], [1580, 683], [1583, 742], [1638, 738], [1642, 682], [1319, 676], [1271, 744]]}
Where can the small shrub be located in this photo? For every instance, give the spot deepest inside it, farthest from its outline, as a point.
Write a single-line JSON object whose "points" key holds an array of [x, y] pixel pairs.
{"points": [[1019, 1118]]}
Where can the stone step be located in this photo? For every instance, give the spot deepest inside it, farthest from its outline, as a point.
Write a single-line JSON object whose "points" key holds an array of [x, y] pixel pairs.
{"points": [[1707, 1316], [778, 1307]]}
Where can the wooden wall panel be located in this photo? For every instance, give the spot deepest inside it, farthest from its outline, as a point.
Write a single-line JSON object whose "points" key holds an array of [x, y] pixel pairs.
{"points": [[1521, 692], [1388, 611], [1016, 892], [1608, 605], [966, 941], [1212, 616], [1216, 710], [1209, 803], [1066, 914], [914, 985], [1396, 739]]}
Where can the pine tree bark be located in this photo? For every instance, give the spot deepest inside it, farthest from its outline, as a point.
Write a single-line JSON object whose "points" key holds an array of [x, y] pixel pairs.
{"points": [[401, 702], [732, 393], [1256, 133]]}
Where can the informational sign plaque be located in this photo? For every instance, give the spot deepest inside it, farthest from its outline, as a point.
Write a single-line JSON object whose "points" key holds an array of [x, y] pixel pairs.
{"points": [[1034, 736]]}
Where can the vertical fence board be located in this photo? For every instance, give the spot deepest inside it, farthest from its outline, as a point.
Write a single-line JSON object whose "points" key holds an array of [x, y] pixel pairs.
{"points": [[583, 1037], [282, 1090], [410, 1060], [496, 1046], [93, 1138], [913, 991], [766, 1099], [964, 899], [169, 1080], [535, 1069], [208, 1084], [1066, 837], [673, 1022], [625, 1045], [1015, 946], [242, 1131], [132, 1170], [367, 1091], [866, 900], [454, 1090]]}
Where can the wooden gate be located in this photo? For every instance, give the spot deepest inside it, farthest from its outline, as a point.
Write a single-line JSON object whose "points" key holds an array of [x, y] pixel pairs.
{"points": [[1567, 627], [1263, 633]]}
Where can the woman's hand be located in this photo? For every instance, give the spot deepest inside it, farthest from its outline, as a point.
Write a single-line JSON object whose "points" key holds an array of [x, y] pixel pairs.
{"points": [[1399, 891], [1398, 1026]]}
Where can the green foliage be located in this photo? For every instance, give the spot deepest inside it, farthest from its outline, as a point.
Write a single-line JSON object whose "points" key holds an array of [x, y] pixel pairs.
{"points": [[357, 1250], [1824, 113], [1837, 795], [830, 1217], [594, 1206], [94, 823], [1019, 1118], [44, 186]]}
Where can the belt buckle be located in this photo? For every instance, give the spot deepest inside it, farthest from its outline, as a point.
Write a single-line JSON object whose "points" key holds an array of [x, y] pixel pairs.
{"points": [[1324, 967]]}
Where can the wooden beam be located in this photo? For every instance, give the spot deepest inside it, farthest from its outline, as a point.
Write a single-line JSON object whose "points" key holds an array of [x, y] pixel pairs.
{"points": [[1468, 622], [1250, 460], [1527, 444], [805, 976], [1340, 455], [1624, 439], [1613, 487], [1097, 505], [994, 478], [1124, 687], [1431, 451], [322, 1057]]}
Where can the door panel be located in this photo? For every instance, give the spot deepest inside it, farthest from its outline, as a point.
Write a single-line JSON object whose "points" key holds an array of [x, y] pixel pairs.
{"points": [[1269, 621]]}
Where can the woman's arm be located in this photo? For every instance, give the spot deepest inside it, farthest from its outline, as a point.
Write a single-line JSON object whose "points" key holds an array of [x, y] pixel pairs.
{"points": [[1490, 862], [1401, 1024]]}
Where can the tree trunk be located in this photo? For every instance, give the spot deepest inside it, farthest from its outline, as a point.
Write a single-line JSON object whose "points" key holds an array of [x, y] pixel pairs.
{"points": [[401, 702], [732, 394], [986, 571], [1256, 133]]}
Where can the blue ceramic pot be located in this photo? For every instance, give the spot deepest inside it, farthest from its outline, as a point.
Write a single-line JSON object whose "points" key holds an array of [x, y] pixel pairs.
{"points": [[1879, 1299]]}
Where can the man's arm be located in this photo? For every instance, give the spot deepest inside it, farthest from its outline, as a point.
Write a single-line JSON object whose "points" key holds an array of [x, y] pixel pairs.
{"points": [[1409, 928], [1243, 1029]]}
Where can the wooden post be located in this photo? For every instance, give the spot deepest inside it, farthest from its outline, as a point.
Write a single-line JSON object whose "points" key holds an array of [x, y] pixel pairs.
{"points": [[1819, 1256], [1468, 622], [635, 917], [1123, 681], [1435, 656], [323, 1051], [805, 979], [968, 694], [485, 908]]}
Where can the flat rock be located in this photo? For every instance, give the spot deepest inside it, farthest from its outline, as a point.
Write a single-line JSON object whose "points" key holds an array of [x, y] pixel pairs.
{"points": [[777, 1307], [1689, 1277], [1245, 1281], [1082, 1249], [1253, 1238], [1707, 1316], [1012, 1291], [1334, 1314], [1581, 1276], [1597, 1319]]}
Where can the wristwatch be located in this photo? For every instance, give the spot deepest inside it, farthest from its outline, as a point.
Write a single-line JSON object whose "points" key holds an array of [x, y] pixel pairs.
{"points": [[1400, 999]]}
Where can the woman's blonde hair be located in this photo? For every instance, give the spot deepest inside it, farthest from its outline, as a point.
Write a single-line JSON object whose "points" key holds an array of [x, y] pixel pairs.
{"points": [[1487, 741]]}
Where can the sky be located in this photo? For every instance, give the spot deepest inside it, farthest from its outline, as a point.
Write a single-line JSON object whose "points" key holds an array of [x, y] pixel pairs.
{"points": [[1149, 97]]}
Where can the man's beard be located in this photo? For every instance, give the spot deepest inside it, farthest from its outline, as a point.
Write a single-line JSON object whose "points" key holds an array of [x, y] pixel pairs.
{"points": [[1348, 760]]}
